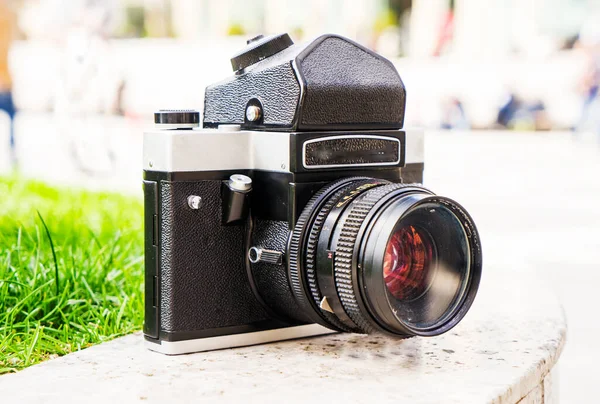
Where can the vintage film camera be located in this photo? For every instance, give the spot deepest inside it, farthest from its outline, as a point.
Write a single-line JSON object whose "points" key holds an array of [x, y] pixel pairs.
{"points": [[296, 209]]}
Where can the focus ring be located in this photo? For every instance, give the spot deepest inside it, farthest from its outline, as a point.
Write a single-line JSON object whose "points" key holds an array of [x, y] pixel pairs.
{"points": [[344, 251], [295, 246], [311, 250]]}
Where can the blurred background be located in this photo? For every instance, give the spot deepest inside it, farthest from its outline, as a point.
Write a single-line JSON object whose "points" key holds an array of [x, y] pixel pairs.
{"points": [[506, 89], [467, 64], [497, 64]]}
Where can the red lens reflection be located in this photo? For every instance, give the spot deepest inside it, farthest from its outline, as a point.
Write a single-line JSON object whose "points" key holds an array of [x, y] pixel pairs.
{"points": [[406, 264]]}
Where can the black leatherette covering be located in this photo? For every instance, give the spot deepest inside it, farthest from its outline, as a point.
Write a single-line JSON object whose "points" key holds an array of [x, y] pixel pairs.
{"points": [[275, 87], [272, 280], [203, 279], [337, 85], [346, 84]]}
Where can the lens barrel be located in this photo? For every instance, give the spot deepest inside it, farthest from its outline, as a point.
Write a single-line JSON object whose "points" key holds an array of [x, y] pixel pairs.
{"points": [[367, 255]]}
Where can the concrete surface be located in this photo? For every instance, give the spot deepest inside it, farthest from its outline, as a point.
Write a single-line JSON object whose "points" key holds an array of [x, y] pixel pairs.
{"points": [[502, 352], [535, 199]]}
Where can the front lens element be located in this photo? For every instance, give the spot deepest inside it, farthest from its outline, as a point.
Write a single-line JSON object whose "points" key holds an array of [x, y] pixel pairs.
{"points": [[407, 263], [433, 266]]}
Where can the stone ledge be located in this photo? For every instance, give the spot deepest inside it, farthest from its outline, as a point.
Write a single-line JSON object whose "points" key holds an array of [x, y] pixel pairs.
{"points": [[501, 352]]}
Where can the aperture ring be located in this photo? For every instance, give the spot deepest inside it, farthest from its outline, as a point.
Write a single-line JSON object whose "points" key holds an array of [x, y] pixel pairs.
{"points": [[311, 250], [344, 253]]}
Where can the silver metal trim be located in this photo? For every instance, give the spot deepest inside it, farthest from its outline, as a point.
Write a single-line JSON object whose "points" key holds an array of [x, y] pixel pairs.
{"points": [[253, 113], [257, 255], [325, 305], [167, 126], [229, 128], [230, 148], [414, 148], [194, 202], [215, 149], [322, 139], [239, 182], [263, 255], [237, 340]]}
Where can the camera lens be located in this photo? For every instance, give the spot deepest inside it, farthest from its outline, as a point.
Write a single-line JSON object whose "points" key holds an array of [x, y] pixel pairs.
{"points": [[407, 263], [391, 258]]}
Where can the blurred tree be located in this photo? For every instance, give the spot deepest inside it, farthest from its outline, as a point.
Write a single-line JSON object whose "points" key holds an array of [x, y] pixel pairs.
{"points": [[297, 33], [7, 35], [386, 19], [236, 29], [135, 22], [400, 6], [158, 20]]}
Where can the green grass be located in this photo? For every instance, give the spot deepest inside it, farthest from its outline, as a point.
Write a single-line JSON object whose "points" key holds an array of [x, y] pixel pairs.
{"points": [[71, 270]]}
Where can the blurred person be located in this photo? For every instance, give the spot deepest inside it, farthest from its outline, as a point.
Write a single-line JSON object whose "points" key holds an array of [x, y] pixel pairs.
{"points": [[519, 114], [446, 32], [454, 116], [589, 42], [88, 90], [7, 29]]}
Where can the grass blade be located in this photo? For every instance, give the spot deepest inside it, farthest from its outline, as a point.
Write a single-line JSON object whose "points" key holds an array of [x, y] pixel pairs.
{"points": [[53, 252], [33, 344]]}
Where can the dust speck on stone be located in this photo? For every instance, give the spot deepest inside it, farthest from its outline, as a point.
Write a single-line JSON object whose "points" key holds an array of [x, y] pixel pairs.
{"points": [[486, 352]]}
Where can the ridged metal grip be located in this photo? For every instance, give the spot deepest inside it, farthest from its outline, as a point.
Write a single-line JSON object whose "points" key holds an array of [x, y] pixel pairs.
{"points": [[258, 254]]}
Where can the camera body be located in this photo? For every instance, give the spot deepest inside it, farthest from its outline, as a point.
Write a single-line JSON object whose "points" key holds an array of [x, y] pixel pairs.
{"points": [[197, 283], [222, 201]]}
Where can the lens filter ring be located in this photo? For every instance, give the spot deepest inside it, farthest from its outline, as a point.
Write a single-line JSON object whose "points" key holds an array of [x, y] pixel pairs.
{"points": [[428, 284]]}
